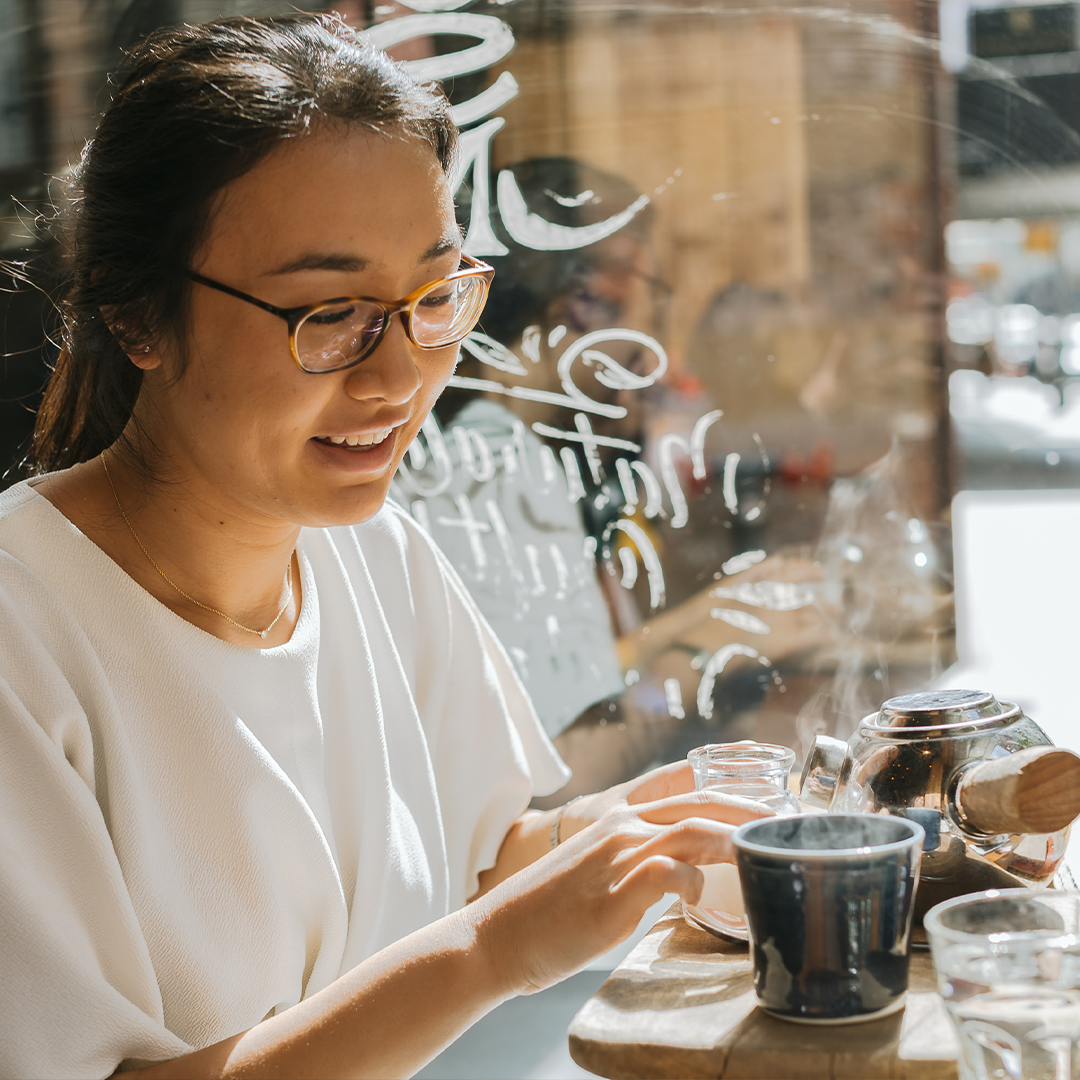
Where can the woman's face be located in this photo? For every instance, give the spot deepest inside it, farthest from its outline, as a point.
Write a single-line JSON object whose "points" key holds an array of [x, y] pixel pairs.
{"points": [[339, 212]]}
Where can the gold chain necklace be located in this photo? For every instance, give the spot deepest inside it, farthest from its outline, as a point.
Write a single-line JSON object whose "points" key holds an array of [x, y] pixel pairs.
{"points": [[186, 596]]}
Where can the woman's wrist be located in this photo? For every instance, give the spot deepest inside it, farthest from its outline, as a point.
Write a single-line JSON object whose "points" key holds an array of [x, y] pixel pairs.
{"points": [[579, 813], [555, 833]]}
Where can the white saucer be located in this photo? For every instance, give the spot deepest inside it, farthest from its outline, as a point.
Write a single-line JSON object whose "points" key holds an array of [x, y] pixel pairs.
{"points": [[716, 922]]}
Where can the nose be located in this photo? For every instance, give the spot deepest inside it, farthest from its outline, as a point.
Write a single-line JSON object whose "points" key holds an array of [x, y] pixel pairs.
{"points": [[390, 373]]}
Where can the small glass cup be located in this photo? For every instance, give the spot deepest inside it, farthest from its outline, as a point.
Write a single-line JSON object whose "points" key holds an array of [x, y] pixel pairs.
{"points": [[1008, 967], [750, 770]]}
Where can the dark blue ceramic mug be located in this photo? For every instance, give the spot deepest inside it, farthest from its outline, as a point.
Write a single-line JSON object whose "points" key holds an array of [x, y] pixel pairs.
{"points": [[828, 902]]}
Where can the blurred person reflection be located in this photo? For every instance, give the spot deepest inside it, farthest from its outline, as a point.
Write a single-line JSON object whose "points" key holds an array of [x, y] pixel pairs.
{"points": [[523, 535], [777, 367], [807, 383]]}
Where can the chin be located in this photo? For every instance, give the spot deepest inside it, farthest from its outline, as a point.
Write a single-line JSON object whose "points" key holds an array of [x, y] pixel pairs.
{"points": [[348, 506]]}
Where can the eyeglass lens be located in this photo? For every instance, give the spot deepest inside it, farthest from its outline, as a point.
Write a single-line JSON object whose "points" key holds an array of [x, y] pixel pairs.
{"points": [[339, 334]]}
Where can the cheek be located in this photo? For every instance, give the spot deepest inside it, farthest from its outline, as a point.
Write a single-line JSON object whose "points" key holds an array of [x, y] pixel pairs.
{"points": [[243, 366], [247, 407], [238, 347], [439, 371], [435, 371]]}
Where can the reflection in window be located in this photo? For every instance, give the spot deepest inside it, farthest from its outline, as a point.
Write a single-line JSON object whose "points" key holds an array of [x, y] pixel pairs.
{"points": [[754, 265]]}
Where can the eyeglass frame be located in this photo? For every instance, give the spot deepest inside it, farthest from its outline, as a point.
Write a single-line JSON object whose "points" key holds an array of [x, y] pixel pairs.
{"points": [[295, 317]]}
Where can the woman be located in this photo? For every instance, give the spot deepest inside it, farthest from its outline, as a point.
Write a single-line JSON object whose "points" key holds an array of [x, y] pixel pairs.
{"points": [[258, 747]]}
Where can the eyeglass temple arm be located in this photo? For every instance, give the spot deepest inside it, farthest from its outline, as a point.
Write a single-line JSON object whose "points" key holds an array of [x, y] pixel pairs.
{"points": [[288, 314]]}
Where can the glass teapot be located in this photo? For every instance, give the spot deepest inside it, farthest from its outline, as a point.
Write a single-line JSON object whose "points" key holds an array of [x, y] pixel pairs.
{"points": [[983, 780]]}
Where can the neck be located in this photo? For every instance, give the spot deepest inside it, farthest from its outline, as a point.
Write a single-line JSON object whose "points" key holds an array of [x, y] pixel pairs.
{"points": [[220, 560], [234, 568]]}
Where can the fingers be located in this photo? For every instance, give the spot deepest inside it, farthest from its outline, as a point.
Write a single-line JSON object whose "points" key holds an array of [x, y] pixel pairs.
{"points": [[714, 805], [668, 861], [695, 841], [656, 876], [668, 780]]}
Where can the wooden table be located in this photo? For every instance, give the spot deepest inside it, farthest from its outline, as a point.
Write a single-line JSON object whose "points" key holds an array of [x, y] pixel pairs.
{"points": [[682, 1004]]}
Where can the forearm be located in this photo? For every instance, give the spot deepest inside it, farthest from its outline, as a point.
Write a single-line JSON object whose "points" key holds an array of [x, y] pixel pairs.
{"points": [[529, 838], [395, 1011], [642, 646], [386, 1017], [604, 759]]}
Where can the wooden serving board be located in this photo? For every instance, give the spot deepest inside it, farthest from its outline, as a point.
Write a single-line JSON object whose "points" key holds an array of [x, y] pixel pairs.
{"points": [[682, 1004]]}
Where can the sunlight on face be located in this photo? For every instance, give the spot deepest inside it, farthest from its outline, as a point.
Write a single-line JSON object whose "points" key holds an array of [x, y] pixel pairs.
{"points": [[339, 212]]}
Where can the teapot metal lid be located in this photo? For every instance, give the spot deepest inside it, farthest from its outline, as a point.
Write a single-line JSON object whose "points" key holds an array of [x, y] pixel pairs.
{"points": [[940, 712]]}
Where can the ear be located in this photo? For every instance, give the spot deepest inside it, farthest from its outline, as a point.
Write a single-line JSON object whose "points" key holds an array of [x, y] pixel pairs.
{"points": [[142, 354]]}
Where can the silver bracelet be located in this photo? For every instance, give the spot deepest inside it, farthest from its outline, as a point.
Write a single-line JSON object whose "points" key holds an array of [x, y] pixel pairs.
{"points": [[554, 837]]}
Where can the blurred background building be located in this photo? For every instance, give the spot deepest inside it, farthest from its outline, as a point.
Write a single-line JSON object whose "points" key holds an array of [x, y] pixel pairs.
{"points": [[788, 281]]}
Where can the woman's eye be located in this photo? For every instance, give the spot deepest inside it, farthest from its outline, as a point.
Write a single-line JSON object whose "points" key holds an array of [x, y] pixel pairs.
{"points": [[334, 315], [436, 300]]}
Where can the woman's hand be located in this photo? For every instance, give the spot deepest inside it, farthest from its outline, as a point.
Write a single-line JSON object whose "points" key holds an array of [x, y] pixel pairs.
{"points": [[661, 783], [647, 838]]}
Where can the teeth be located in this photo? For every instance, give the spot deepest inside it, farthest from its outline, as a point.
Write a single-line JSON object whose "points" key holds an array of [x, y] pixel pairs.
{"points": [[358, 440]]}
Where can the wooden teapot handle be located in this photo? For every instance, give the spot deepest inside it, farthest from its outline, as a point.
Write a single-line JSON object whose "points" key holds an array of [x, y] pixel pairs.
{"points": [[1031, 791]]}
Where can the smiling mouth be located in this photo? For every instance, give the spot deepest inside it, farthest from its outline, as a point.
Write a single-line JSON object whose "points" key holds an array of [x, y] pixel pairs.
{"points": [[355, 442]]}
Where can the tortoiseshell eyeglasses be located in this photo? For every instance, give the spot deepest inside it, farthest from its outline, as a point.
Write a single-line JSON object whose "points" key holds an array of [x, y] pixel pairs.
{"points": [[336, 334]]}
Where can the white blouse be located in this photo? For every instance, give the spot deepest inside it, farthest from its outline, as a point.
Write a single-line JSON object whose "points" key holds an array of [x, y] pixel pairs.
{"points": [[195, 835]]}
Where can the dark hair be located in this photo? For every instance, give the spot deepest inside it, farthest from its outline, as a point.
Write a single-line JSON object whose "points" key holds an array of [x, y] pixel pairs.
{"points": [[193, 108]]}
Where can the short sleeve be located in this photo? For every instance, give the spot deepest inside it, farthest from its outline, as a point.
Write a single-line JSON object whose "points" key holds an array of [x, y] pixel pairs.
{"points": [[78, 995], [490, 754]]}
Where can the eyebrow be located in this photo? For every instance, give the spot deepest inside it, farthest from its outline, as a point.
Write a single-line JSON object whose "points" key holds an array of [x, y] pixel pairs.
{"points": [[449, 242], [351, 264], [319, 260]]}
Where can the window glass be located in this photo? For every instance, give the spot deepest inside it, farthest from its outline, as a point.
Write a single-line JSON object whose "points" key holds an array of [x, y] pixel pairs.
{"points": [[774, 283]]}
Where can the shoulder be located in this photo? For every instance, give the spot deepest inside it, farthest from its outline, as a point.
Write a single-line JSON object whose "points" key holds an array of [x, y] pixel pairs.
{"points": [[39, 545], [47, 661], [35, 540], [36, 534], [18, 505]]}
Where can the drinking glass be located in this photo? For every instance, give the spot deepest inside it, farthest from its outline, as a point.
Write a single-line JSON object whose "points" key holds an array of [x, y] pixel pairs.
{"points": [[750, 770], [1008, 967]]}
